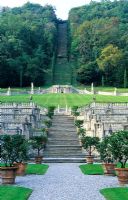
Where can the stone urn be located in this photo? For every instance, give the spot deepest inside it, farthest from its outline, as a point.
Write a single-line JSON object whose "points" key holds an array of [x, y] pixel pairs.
{"points": [[8, 174], [90, 159], [109, 169], [122, 174], [21, 167], [38, 159]]}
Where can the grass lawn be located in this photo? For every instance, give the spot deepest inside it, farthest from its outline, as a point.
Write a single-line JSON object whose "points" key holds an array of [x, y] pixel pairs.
{"points": [[92, 169], [38, 169], [70, 100], [104, 89], [14, 193], [115, 193]]}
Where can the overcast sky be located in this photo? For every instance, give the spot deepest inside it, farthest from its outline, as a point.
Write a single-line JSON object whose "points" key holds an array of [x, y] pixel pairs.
{"points": [[62, 6]]}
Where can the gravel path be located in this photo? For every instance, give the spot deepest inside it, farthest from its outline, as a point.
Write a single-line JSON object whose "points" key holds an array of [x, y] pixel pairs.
{"points": [[66, 182]]}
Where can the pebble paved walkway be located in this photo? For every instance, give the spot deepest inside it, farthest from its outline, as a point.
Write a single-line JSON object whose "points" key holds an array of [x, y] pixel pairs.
{"points": [[66, 182]]}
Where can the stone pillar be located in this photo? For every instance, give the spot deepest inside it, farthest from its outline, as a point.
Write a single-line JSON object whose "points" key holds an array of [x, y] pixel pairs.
{"points": [[9, 91], [92, 88], [32, 88], [27, 129], [115, 92]]}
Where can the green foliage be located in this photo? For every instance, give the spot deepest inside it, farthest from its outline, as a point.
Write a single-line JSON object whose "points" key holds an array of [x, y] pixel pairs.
{"points": [[27, 44], [48, 123], [21, 148], [13, 149], [79, 123], [118, 146], [88, 73], [38, 142], [103, 149], [97, 28], [50, 112], [74, 111], [81, 131], [125, 79], [90, 144]]}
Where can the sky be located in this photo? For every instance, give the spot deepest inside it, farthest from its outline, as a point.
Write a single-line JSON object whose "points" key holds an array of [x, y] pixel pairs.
{"points": [[62, 6]]}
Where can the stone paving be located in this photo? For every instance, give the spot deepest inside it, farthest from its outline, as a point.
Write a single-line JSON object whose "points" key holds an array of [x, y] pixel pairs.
{"points": [[64, 181]]}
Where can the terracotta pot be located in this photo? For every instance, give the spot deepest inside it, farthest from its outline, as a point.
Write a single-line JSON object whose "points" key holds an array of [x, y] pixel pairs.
{"points": [[8, 175], [122, 174], [109, 169], [89, 159], [21, 167], [38, 159]]}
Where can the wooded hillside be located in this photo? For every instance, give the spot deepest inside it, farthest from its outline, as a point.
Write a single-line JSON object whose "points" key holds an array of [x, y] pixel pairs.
{"points": [[27, 44], [99, 42]]}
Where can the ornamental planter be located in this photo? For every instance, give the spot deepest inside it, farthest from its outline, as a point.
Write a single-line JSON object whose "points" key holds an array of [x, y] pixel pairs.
{"points": [[90, 159], [21, 167], [8, 175], [122, 174], [38, 159], [109, 169]]}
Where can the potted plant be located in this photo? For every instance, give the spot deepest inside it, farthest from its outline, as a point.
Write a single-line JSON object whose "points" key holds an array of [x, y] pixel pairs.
{"points": [[74, 111], [8, 151], [106, 157], [50, 112], [38, 143], [118, 146], [81, 133], [90, 144], [79, 124], [48, 123], [21, 155]]}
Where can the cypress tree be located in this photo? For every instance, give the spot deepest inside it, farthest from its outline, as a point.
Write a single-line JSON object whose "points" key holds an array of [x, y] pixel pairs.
{"points": [[125, 78]]}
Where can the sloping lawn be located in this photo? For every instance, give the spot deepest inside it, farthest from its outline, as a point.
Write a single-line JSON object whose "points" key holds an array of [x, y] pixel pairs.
{"points": [[115, 193], [62, 100], [39, 169], [14, 193], [92, 169]]}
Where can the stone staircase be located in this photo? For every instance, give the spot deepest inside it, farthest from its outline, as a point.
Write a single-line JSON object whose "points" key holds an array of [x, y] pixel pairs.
{"points": [[63, 144], [62, 73]]}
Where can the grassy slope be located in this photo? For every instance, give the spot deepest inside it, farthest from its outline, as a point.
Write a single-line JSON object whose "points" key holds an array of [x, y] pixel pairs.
{"points": [[36, 169], [115, 193], [14, 193], [63, 99]]}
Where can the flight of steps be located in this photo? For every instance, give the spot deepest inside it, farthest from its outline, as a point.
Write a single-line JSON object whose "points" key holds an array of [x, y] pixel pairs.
{"points": [[62, 73], [63, 144]]}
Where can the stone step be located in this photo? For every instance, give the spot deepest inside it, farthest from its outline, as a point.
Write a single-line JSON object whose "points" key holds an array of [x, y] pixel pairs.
{"points": [[63, 142], [68, 125], [53, 129], [59, 143], [64, 160], [50, 155], [62, 133], [64, 149]]}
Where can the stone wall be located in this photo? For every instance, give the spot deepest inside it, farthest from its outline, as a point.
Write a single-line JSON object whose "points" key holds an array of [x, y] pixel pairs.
{"points": [[23, 119], [103, 119]]}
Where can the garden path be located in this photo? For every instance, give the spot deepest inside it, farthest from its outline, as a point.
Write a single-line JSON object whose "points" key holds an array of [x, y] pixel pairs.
{"points": [[65, 181]]}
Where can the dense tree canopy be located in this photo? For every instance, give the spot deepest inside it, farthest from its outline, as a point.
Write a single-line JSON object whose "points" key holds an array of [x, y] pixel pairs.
{"points": [[27, 44], [99, 36]]}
